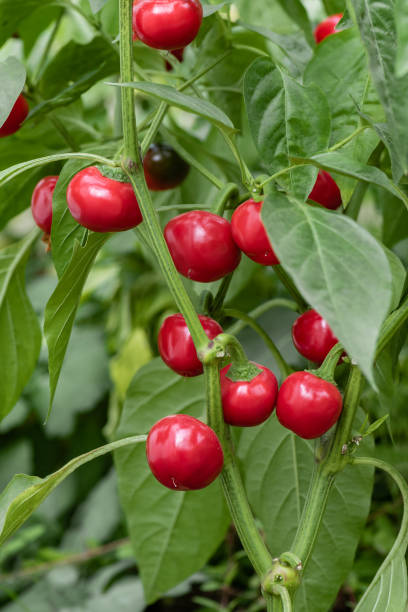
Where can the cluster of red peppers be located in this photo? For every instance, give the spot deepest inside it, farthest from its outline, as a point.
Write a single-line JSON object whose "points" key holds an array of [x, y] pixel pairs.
{"points": [[184, 453]]}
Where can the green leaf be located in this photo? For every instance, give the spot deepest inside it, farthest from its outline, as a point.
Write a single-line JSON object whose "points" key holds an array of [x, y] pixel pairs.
{"points": [[19, 328], [341, 163], [377, 22], [13, 12], [286, 120], [277, 469], [25, 493], [210, 9], [62, 306], [295, 50], [96, 5], [401, 18], [339, 268], [163, 524], [399, 275], [191, 104], [12, 79], [297, 12], [343, 61], [374, 426], [395, 217], [75, 62]]}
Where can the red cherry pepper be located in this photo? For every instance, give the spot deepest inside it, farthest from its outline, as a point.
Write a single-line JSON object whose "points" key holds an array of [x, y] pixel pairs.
{"points": [[250, 235], [41, 202], [102, 204], [308, 405], [164, 168], [312, 336], [248, 403], [327, 27], [176, 345], [201, 246], [167, 24], [326, 191], [183, 453], [16, 117]]}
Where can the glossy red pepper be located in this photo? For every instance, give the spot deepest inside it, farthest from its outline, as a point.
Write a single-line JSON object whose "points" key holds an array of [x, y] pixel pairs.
{"points": [[164, 168], [325, 191], [16, 117], [183, 453], [308, 405], [167, 24], [176, 345], [248, 403], [327, 27], [201, 246], [102, 204], [250, 235], [41, 202], [312, 336]]}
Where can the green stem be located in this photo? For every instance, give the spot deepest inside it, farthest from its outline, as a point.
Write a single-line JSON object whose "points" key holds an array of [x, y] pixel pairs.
{"points": [[284, 598], [326, 472], [284, 368], [230, 191], [270, 607], [260, 310], [42, 64], [246, 176], [353, 208], [391, 325], [291, 287], [250, 49], [231, 481], [133, 166], [280, 173], [218, 301], [343, 142]]}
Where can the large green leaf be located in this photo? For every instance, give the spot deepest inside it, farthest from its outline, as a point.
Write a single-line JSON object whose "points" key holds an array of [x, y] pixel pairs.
{"points": [[340, 269], [297, 12], [343, 62], [401, 11], [25, 493], [12, 78], [75, 61], [277, 469], [286, 120], [377, 23], [191, 104], [13, 12], [173, 533], [62, 306], [19, 328]]}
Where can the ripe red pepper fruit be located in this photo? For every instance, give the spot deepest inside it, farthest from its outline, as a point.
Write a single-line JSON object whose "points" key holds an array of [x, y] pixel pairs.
{"points": [[183, 453], [164, 168], [327, 27], [176, 345], [41, 202], [312, 336], [201, 246], [308, 405], [247, 403], [250, 235], [167, 24], [102, 204], [16, 117], [325, 191]]}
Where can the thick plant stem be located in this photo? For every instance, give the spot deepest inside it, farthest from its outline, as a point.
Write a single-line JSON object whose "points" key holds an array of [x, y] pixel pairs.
{"points": [[231, 481], [326, 472], [284, 368], [133, 166]]}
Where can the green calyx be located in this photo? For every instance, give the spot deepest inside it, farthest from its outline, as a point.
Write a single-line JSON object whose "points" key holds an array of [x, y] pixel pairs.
{"points": [[116, 174], [328, 367], [281, 574], [243, 372]]}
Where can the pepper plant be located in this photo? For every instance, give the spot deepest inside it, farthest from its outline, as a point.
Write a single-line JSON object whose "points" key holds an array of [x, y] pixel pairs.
{"points": [[259, 167]]}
